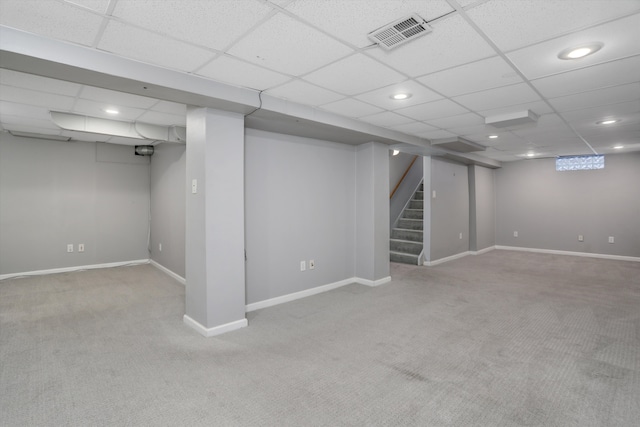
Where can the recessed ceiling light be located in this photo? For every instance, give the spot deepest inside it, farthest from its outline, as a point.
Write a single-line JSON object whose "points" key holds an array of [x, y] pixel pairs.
{"points": [[618, 147], [530, 154], [581, 51], [401, 96], [607, 122], [493, 136], [111, 111], [396, 152]]}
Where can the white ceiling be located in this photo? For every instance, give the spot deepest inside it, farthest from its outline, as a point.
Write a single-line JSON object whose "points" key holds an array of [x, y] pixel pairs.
{"points": [[483, 58]]}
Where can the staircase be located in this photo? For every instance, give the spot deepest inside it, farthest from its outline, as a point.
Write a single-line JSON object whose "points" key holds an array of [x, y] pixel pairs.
{"points": [[406, 237]]}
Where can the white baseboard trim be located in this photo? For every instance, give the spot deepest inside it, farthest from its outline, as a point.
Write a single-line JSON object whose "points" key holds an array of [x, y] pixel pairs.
{"points": [[445, 259], [77, 268], [297, 295], [581, 254], [368, 282], [216, 330], [483, 251], [168, 272]]}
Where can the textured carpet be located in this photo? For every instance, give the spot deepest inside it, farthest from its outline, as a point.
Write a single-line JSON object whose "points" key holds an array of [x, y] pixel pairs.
{"points": [[500, 339]]}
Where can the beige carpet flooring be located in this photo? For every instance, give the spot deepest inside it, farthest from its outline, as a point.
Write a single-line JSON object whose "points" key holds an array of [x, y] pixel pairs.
{"points": [[500, 339]]}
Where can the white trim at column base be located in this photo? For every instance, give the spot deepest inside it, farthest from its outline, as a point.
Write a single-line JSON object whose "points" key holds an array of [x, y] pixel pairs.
{"points": [[216, 330], [368, 282], [168, 272], [483, 251], [582, 254], [445, 259], [297, 295]]}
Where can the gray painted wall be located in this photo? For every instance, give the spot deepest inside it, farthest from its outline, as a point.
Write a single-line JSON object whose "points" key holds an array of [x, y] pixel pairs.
{"points": [[550, 209], [299, 198], [53, 193], [449, 210], [482, 202], [168, 183]]}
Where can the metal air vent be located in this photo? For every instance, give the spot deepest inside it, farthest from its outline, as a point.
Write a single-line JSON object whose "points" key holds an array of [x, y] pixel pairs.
{"points": [[399, 32]]}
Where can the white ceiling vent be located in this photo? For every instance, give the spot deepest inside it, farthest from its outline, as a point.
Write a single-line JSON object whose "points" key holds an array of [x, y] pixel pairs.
{"points": [[399, 32]]}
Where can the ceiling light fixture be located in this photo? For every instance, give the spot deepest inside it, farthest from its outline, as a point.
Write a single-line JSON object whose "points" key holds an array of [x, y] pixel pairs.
{"points": [[111, 111], [581, 51], [607, 122], [396, 152], [493, 136], [530, 154], [401, 96], [618, 147]]}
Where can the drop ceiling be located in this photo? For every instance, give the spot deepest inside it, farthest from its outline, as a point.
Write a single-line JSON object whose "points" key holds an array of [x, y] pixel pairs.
{"points": [[483, 58]]}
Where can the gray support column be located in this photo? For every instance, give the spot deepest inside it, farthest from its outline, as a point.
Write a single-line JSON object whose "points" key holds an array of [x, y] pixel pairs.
{"points": [[215, 271], [372, 214], [473, 220]]}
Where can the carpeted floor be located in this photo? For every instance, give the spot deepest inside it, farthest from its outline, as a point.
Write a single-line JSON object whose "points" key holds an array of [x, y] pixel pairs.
{"points": [[500, 339]]}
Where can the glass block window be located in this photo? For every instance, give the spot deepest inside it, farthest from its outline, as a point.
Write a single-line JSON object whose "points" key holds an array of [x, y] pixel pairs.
{"points": [[579, 163]]}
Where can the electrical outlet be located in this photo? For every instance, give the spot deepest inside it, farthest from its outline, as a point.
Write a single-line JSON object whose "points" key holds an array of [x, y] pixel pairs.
{"points": [[312, 264], [611, 239], [70, 247], [303, 265], [80, 247], [194, 186], [515, 234], [580, 238]]}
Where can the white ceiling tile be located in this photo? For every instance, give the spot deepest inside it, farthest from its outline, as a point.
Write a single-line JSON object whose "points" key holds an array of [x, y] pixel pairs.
{"points": [[337, 16], [33, 82], [386, 119], [31, 128], [51, 18], [620, 40], [355, 74], [351, 108], [86, 107], [414, 128], [603, 112], [499, 97], [148, 47], [512, 24], [164, 119], [452, 43], [382, 97], [28, 121], [214, 24], [99, 6], [538, 107], [467, 119], [304, 93], [116, 99], [437, 134], [23, 110], [433, 110], [480, 75], [170, 108], [499, 155], [477, 131], [598, 76], [239, 73], [288, 46], [612, 95], [35, 98]]}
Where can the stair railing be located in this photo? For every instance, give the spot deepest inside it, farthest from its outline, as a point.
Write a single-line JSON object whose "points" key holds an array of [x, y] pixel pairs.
{"points": [[403, 176]]}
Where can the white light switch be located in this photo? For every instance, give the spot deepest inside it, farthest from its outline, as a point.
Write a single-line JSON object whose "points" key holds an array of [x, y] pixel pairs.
{"points": [[194, 186], [611, 239], [580, 238]]}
